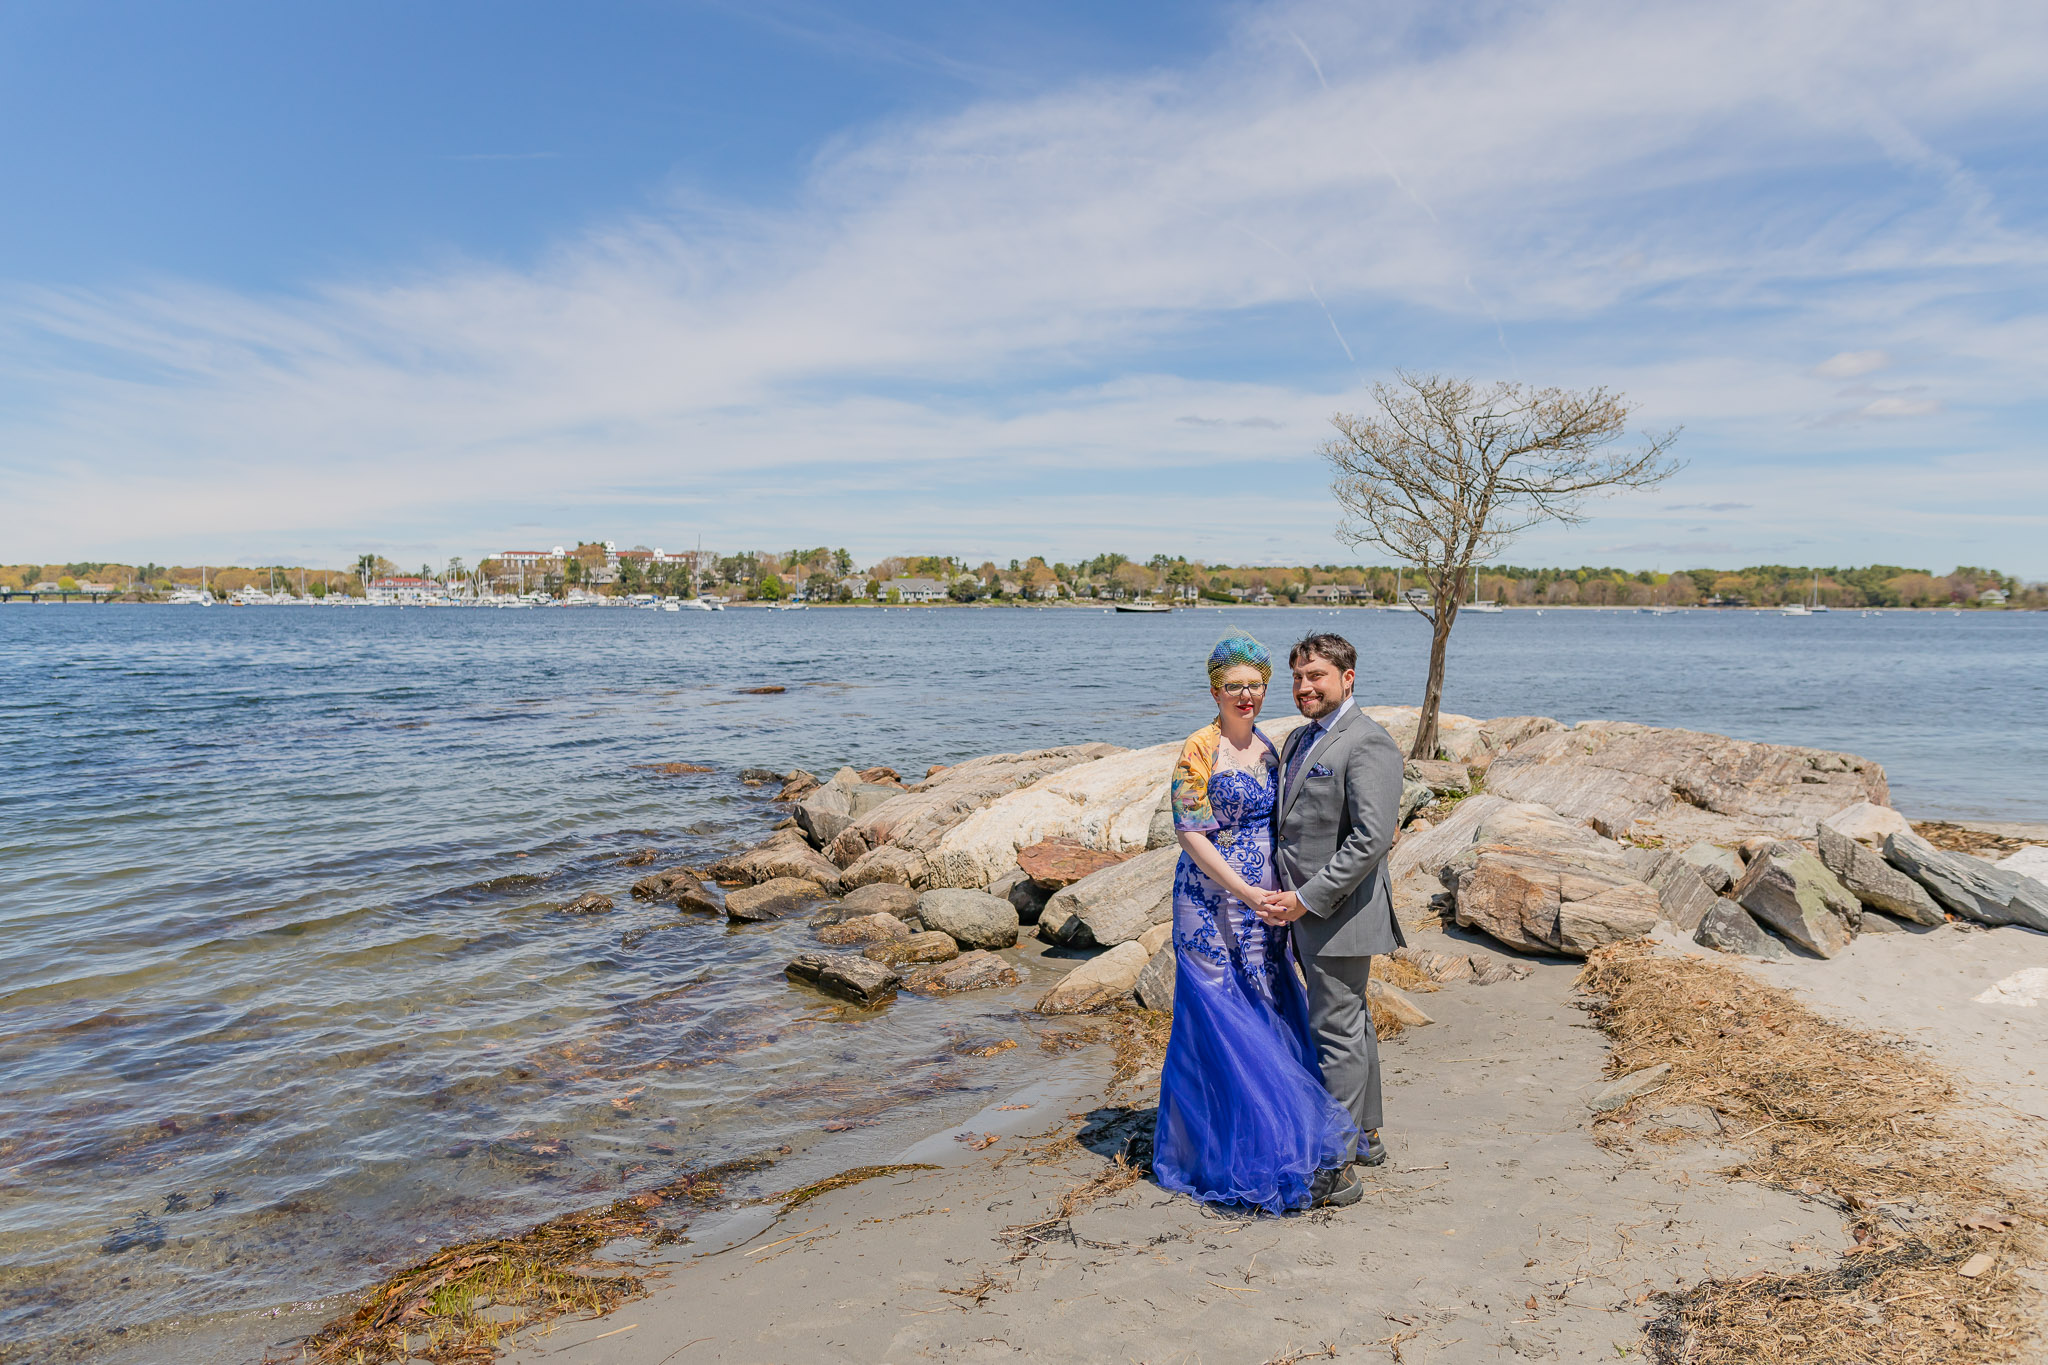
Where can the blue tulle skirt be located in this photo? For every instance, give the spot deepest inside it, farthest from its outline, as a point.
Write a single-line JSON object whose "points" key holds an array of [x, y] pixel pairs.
{"points": [[1243, 1115]]}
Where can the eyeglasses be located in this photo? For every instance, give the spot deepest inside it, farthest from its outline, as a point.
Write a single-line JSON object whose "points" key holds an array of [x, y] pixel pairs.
{"points": [[1234, 690]]}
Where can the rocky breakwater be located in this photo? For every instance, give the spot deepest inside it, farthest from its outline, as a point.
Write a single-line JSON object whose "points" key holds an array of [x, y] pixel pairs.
{"points": [[1586, 834], [1548, 838]]}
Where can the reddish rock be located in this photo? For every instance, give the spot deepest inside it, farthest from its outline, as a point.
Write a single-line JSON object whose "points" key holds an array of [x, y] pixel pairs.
{"points": [[881, 775], [1057, 863]]}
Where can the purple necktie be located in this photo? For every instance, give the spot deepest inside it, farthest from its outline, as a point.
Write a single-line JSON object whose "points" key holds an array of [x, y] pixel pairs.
{"points": [[1308, 741]]}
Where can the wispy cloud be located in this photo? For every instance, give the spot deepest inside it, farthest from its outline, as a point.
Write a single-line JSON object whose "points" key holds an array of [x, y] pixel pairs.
{"points": [[1708, 506], [1849, 364], [1129, 279]]}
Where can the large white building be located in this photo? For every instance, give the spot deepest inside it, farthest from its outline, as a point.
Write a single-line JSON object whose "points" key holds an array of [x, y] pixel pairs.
{"points": [[399, 592]]}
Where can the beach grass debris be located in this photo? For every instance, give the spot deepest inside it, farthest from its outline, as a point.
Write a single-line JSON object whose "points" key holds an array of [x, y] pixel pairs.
{"points": [[454, 1305], [1136, 1038], [1835, 1114], [804, 1194]]}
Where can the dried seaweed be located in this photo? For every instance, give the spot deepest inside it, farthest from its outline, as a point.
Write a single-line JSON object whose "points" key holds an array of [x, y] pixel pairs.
{"points": [[435, 1310], [804, 1194], [1830, 1113]]}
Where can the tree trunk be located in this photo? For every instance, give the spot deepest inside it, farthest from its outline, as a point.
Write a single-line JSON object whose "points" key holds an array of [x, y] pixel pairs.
{"points": [[1439, 646]]}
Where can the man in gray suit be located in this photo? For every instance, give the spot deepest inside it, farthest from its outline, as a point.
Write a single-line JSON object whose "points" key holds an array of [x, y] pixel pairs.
{"points": [[1338, 814]]}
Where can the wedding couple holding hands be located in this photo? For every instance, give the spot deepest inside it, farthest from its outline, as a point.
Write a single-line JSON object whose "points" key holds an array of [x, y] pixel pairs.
{"points": [[1271, 1086]]}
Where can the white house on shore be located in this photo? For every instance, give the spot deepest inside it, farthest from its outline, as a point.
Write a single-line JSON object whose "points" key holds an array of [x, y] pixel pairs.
{"points": [[915, 590]]}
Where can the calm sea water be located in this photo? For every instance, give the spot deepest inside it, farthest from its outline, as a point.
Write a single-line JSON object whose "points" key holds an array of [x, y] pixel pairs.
{"points": [[285, 998]]}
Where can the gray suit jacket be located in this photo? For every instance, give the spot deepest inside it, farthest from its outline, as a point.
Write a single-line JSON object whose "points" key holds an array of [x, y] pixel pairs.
{"points": [[1332, 828]]}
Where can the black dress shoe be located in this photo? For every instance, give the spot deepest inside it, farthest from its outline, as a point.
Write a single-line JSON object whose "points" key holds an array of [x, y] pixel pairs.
{"points": [[1335, 1187], [1375, 1153]]}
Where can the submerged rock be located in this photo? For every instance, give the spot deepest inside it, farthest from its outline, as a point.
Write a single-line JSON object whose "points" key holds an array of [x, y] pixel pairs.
{"points": [[590, 903], [845, 974], [783, 854], [659, 886], [772, 899], [1875, 882], [1791, 891], [975, 971]]}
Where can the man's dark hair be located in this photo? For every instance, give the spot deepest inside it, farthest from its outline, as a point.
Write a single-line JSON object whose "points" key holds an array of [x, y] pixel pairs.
{"points": [[1334, 649]]}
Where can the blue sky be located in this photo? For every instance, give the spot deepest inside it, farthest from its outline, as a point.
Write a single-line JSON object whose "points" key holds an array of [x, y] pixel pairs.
{"points": [[294, 282]]}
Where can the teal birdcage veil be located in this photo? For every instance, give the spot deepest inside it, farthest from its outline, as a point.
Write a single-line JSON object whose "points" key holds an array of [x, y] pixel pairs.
{"points": [[1236, 649]]}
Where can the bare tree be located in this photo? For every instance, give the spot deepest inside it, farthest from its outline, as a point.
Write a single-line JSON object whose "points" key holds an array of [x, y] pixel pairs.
{"points": [[1445, 474]]}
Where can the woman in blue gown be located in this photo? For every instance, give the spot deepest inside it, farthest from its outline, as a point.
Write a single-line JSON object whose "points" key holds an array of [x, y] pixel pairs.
{"points": [[1243, 1115]]}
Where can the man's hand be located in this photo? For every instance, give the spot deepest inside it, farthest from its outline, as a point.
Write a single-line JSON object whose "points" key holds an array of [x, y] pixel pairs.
{"points": [[1282, 907]]}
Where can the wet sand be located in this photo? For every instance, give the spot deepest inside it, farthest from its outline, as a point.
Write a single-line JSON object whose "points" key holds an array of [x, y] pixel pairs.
{"points": [[1498, 1231]]}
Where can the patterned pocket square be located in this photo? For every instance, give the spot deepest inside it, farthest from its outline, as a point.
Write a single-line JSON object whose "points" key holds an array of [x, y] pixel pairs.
{"points": [[1318, 770]]}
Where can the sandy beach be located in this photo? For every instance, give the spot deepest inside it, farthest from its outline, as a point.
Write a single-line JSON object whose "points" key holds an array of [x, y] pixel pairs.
{"points": [[1499, 1230]]}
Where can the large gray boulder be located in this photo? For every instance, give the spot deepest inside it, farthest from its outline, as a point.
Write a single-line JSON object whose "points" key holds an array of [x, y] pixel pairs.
{"points": [[1685, 897], [1875, 882], [1114, 905], [1097, 983], [886, 865], [974, 919], [1790, 890], [1540, 903], [1970, 886], [1719, 867], [881, 898], [917, 818], [827, 810], [1728, 928], [1156, 981], [1682, 784]]}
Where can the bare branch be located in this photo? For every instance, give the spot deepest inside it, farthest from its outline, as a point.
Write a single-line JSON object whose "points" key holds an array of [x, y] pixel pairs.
{"points": [[1444, 475]]}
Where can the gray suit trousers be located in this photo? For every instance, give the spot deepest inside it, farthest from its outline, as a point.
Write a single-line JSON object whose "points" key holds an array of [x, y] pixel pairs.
{"points": [[1346, 1044]]}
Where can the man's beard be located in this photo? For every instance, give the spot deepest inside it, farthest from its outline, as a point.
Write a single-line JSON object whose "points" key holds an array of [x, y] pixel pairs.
{"points": [[1324, 708]]}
